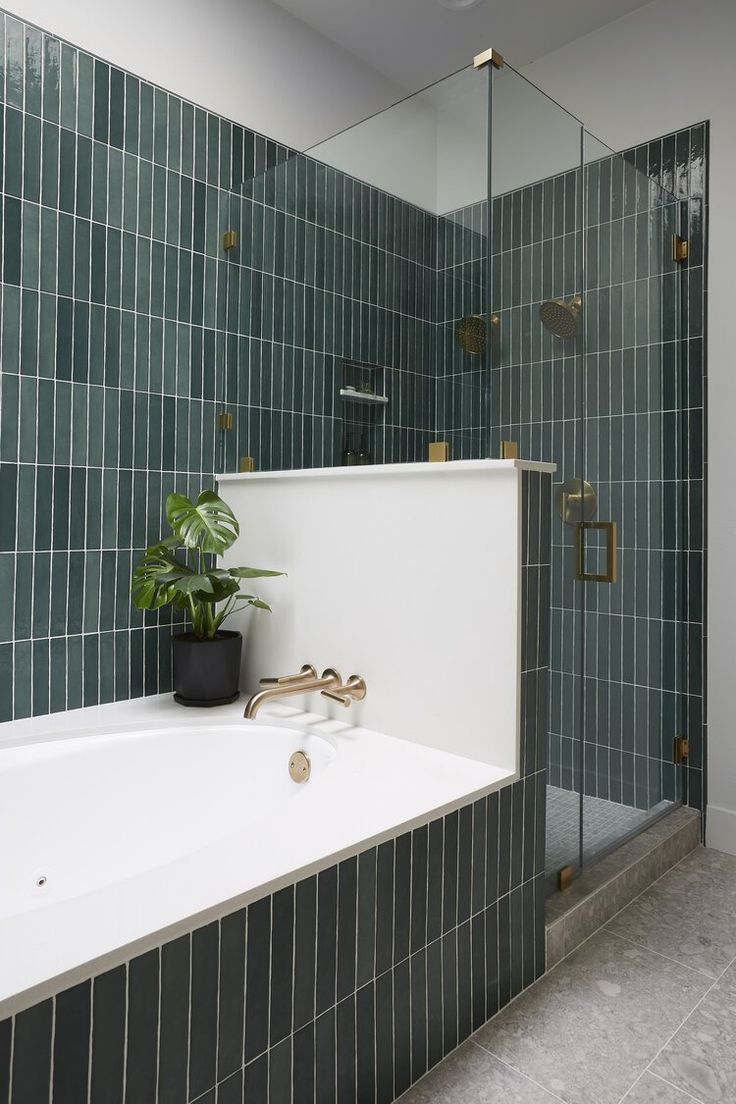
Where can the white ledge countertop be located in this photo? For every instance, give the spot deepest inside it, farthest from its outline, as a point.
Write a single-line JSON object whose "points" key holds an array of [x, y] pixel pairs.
{"points": [[363, 471], [376, 788]]}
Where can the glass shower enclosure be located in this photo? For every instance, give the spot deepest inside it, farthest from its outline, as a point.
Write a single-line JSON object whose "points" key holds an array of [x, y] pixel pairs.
{"points": [[471, 267]]}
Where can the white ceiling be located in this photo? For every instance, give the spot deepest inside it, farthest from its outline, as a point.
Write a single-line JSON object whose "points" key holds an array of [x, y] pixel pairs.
{"points": [[415, 42]]}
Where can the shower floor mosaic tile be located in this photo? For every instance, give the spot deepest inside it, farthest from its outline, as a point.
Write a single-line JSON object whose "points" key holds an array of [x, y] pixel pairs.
{"points": [[605, 824], [644, 1012]]}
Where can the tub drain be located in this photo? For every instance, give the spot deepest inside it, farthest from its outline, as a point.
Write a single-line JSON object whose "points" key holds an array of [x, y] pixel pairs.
{"points": [[299, 767]]}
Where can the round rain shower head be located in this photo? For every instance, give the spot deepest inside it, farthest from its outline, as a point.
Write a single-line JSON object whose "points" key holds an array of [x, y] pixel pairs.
{"points": [[562, 316], [470, 332]]}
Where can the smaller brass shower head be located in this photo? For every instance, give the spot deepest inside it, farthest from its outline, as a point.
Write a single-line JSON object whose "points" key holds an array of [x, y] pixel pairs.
{"points": [[562, 316], [470, 332]]}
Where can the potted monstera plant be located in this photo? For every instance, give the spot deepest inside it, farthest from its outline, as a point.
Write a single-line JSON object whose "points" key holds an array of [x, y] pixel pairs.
{"points": [[181, 571]]}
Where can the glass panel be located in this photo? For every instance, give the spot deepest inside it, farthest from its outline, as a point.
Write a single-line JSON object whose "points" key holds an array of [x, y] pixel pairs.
{"points": [[359, 289], [536, 384], [631, 661]]}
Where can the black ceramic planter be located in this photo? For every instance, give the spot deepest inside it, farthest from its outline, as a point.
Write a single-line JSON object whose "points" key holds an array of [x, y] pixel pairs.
{"points": [[207, 672]]}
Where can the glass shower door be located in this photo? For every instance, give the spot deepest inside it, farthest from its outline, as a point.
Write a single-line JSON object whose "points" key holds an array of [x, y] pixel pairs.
{"points": [[627, 562]]}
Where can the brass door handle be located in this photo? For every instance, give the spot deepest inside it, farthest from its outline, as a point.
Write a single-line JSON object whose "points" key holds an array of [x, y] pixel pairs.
{"points": [[609, 576]]}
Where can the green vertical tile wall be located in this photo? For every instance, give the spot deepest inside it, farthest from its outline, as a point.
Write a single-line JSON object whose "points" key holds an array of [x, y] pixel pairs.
{"points": [[125, 329]]}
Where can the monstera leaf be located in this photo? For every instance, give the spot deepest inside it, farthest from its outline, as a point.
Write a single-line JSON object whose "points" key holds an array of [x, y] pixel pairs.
{"points": [[203, 529], [209, 524]]}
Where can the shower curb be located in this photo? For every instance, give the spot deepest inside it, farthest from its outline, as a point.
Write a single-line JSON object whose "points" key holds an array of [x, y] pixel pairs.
{"points": [[613, 882]]}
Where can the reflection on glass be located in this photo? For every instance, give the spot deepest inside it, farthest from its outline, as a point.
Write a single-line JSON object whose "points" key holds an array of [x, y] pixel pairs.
{"points": [[366, 255]]}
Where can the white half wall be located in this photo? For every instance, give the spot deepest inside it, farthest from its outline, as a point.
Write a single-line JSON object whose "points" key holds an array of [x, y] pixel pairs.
{"points": [[248, 60], [659, 69], [406, 574]]}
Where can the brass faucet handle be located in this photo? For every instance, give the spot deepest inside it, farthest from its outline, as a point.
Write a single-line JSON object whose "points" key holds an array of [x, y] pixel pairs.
{"points": [[341, 699], [354, 689], [308, 671]]}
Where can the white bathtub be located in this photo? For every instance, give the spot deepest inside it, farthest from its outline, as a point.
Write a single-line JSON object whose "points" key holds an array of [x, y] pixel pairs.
{"points": [[124, 825]]}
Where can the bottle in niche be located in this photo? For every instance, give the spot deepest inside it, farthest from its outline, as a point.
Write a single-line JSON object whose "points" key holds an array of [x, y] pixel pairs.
{"points": [[364, 456]]}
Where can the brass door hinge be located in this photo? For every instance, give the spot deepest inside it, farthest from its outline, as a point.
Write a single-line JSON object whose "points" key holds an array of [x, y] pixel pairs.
{"points": [[225, 421], [564, 877], [229, 239], [509, 450], [679, 249], [680, 749], [489, 56], [438, 452]]}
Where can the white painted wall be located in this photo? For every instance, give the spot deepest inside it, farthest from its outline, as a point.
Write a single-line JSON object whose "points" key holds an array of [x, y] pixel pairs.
{"points": [[395, 572], [248, 60], [659, 69]]}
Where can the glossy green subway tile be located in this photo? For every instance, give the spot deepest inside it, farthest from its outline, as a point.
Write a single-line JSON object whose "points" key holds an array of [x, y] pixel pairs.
{"points": [[99, 182], [83, 184], [34, 70], [68, 87], [92, 573], [48, 250], [15, 50], [9, 417], [74, 672], [29, 333], [7, 582], [101, 110], [107, 590], [132, 100], [158, 209], [51, 78], [90, 670], [40, 654], [107, 667], [58, 664], [31, 158], [90, 499], [117, 108], [112, 267], [34, 528], [22, 686], [145, 198], [75, 593], [41, 621], [160, 127], [95, 426], [115, 188], [23, 603], [13, 153], [145, 147], [30, 215], [130, 193], [59, 605], [50, 137]]}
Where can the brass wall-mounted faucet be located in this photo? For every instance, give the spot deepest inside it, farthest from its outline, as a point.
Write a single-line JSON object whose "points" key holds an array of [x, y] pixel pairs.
{"points": [[307, 681]]}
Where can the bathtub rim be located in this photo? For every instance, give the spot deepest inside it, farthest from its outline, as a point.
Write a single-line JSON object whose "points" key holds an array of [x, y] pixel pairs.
{"points": [[277, 715]]}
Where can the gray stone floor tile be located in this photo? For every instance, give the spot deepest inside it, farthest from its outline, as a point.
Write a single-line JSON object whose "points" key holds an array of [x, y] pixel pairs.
{"points": [[689, 914], [472, 1076], [701, 1059], [588, 1029], [652, 1090]]}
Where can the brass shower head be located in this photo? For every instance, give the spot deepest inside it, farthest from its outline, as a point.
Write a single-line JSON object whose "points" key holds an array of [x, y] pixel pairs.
{"points": [[562, 316], [471, 330]]}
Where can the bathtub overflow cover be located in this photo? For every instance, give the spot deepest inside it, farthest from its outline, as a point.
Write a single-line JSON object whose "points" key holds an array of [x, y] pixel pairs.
{"points": [[41, 881], [299, 767]]}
